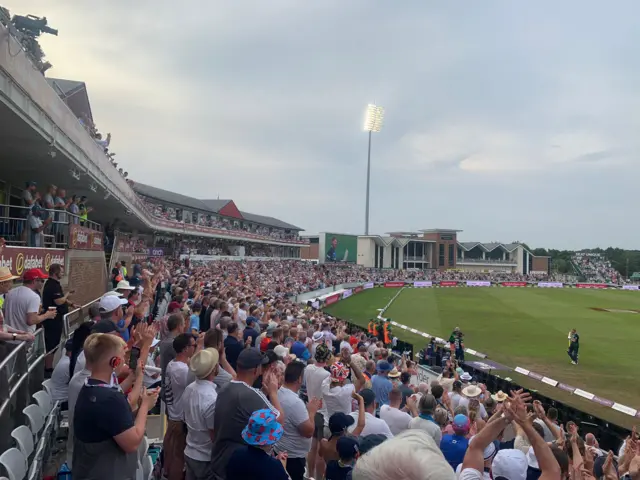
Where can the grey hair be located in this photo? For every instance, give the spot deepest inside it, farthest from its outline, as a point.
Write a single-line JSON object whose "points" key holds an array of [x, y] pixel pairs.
{"points": [[280, 366], [412, 452], [423, 388], [461, 410]]}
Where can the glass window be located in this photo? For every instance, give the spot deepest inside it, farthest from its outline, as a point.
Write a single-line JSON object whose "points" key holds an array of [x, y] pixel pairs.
{"points": [[451, 254], [441, 255]]}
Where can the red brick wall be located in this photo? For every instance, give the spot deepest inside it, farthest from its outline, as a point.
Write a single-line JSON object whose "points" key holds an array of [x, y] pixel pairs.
{"points": [[540, 264], [86, 274], [436, 237], [310, 253]]}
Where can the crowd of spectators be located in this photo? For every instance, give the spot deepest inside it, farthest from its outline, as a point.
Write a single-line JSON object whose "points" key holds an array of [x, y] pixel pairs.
{"points": [[596, 268], [212, 220], [257, 386]]}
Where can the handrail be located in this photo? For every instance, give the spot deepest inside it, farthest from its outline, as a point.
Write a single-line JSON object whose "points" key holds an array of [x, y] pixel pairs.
{"points": [[56, 212]]}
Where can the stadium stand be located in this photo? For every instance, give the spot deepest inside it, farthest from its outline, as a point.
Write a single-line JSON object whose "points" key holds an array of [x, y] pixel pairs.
{"points": [[238, 349]]}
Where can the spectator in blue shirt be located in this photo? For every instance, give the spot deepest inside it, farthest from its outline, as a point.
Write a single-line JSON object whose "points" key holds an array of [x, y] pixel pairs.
{"points": [[380, 383], [454, 447], [250, 331], [194, 319]]}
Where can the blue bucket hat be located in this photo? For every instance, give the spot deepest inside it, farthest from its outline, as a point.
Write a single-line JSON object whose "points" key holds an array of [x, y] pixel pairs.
{"points": [[263, 428]]}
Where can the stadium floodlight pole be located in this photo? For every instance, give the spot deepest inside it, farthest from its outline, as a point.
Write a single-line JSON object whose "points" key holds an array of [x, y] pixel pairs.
{"points": [[372, 123]]}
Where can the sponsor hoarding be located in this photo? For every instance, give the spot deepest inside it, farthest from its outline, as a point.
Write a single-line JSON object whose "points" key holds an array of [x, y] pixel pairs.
{"points": [[358, 290], [514, 284], [83, 238], [591, 285], [340, 248], [155, 252], [550, 284], [347, 294], [366, 286], [393, 284], [477, 283], [447, 283], [19, 259], [332, 299], [631, 287], [422, 284]]}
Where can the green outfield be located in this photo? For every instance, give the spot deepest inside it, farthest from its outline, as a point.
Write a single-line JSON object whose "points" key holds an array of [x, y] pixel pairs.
{"points": [[528, 327]]}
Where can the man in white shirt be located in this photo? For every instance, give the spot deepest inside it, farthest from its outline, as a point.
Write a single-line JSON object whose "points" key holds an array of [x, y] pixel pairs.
{"points": [[299, 421], [199, 405], [372, 424], [397, 420], [22, 304], [175, 381], [314, 375], [242, 316], [60, 378]]}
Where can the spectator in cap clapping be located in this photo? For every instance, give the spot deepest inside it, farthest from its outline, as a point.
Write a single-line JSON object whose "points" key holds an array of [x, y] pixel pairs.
{"points": [[381, 384], [348, 451]]}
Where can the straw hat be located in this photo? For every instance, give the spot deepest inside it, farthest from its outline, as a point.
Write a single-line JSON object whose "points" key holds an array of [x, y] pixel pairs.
{"points": [[6, 275], [471, 391], [500, 396], [394, 373]]}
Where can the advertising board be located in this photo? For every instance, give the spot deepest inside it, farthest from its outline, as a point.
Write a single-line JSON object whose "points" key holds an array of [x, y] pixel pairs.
{"points": [[19, 259]]}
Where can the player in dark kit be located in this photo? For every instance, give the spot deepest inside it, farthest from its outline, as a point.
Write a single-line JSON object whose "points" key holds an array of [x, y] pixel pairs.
{"points": [[574, 346]]}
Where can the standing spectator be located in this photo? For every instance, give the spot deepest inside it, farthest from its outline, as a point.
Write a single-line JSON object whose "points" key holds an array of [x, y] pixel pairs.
{"points": [[54, 297], [35, 226], [106, 435], [22, 304], [48, 203], [199, 404], [235, 405], [30, 196], [454, 447], [116, 276], [250, 332], [61, 206], [175, 326], [425, 421], [372, 424], [348, 452], [174, 384], [405, 389], [7, 332], [336, 394], [74, 210], [314, 376], [298, 423], [253, 461], [380, 383], [397, 420], [233, 344], [83, 210]]}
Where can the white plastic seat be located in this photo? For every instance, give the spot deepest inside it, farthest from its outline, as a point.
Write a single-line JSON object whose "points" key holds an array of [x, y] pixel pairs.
{"points": [[47, 385], [24, 438], [34, 417], [147, 467], [143, 449], [43, 399], [15, 463]]}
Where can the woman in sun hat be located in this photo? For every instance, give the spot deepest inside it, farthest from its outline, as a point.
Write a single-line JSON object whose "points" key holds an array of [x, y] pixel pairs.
{"points": [[470, 400], [254, 460], [500, 396]]}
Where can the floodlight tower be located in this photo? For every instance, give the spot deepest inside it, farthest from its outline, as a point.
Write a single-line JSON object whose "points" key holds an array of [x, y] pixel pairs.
{"points": [[372, 123]]}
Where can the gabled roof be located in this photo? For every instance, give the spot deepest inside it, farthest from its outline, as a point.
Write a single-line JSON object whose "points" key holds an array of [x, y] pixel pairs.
{"points": [[210, 205], [74, 94], [215, 204], [65, 87], [488, 247]]}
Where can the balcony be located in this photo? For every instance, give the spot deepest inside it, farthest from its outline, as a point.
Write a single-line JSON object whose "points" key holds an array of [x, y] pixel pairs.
{"points": [[485, 261]]}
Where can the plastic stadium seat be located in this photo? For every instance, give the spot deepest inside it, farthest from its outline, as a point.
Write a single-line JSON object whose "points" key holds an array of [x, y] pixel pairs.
{"points": [[143, 449], [24, 438], [44, 401], [15, 463], [47, 385], [35, 418], [147, 467]]}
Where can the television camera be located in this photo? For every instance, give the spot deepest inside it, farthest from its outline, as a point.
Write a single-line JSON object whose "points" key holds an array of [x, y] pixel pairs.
{"points": [[32, 25]]}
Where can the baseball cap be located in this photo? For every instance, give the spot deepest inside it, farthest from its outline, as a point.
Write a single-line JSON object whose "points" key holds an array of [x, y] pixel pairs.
{"points": [[204, 362], [511, 464], [281, 351], [368, 396], [300, 351], [33, 274], [461, 423], [251, 358], [108, 303], [339, 422], [270, 330], [347, 448], [370, 441], [173, 306]]}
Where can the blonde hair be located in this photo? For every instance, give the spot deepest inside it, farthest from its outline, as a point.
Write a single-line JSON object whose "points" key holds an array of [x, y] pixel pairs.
{"points": [[100, 347]]}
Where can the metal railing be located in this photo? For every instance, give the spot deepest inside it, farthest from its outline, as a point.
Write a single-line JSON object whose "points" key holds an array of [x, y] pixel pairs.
{"points": [[487, 260], [14, 227]]}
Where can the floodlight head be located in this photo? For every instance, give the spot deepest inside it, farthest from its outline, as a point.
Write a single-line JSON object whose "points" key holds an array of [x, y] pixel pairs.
{"points": [[373, 120]]}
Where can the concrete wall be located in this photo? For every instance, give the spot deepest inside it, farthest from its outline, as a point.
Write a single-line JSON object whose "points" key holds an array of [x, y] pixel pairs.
{"points": [[366, 252]]}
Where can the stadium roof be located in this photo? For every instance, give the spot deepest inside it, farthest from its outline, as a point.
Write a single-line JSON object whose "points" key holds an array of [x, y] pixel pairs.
{"points": [[74, 94], [221, 207], [488, 247]]}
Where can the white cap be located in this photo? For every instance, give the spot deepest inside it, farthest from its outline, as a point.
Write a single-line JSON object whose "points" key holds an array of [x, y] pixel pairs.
{"points": [[511, 464], [113, 293], [281, 351], [108, 303], [124, 285]]}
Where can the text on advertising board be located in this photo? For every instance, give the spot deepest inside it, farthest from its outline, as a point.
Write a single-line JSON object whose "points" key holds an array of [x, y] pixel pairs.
{"points": [[83, 238], [448, 283], [514, 284], [19, 259], [393, 284], [332, 299]]}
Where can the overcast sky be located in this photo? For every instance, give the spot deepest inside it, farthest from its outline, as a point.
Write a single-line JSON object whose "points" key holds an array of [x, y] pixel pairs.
{"points": [[507, 120]]}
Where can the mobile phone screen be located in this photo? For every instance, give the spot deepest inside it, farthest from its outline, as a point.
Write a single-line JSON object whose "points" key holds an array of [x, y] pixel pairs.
{"points": [[133, 359]]}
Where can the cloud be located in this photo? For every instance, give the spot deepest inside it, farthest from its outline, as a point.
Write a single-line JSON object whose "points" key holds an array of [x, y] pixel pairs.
{"points": [[507, 121]]}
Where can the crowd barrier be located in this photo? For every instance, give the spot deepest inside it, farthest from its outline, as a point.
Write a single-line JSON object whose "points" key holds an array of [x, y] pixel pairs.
{"points": [[484, 366], [491, 283]]}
